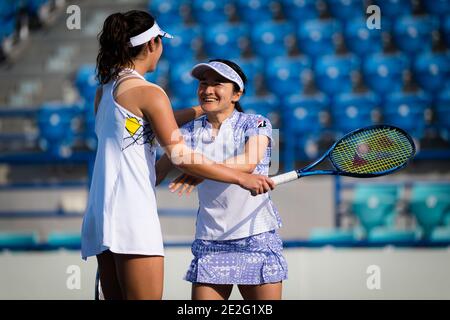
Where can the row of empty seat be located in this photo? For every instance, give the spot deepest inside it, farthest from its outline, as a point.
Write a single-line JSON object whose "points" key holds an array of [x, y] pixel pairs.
{"points": [[375, 207]]}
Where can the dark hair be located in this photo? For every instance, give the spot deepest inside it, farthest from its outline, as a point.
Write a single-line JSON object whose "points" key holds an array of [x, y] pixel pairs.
{"points": [[115, 52], [241, 74]]}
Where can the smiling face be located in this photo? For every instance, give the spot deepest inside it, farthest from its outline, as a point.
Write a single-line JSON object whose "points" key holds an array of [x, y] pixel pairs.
{"points": [[216, 94]]}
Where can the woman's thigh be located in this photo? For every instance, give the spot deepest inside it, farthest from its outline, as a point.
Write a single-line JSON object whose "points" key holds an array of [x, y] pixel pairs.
{"points": [[267, 291], [206, 291], [140, 277]]}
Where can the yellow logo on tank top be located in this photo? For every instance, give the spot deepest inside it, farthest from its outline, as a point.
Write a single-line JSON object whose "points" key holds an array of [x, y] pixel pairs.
{"points": [[137, 133], [132, 125]]}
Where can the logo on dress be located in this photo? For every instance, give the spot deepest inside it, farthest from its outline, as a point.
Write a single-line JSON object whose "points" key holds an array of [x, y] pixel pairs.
{"points": [[261, 124]]}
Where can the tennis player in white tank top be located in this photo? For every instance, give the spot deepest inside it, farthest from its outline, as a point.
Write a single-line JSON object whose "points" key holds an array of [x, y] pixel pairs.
{"points": [[236, 240], [121, 226]]}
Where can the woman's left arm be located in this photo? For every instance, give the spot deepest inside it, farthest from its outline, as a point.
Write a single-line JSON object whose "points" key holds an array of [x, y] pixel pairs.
{"points": [[188, 114]]}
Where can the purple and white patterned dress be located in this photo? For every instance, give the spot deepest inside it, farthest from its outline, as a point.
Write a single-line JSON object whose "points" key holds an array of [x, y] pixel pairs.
{"points": [[236, 234]]}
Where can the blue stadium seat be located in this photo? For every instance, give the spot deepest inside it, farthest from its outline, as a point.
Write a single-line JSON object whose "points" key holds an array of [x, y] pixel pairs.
{"points": [[333, 74], [446, 30], [182, 84], [375, 204], [7, 28], [384, 73], [271, 39], [184, 44], [440, 235], [160, 74], [407, 111], [55, 129], [393, 9], [86, 82], [331, 236], [437, 7], [8, 8], [351, 111], [303, 114], [168, 12], [429, 203], [254, 11], [304, 117], [207, 12], [346, 9], [18, 240], [267, 106], [431, 70], [33, 6], [58, 240], [360, 40], [227, 38], [253, 69], [285, 76], [316, 37], [414, 34], [300, 11], [443, 111], [391, 236]]}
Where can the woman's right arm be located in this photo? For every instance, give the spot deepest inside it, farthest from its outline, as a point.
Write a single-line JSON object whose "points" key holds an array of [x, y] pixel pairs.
{"points": [[156, 107]]}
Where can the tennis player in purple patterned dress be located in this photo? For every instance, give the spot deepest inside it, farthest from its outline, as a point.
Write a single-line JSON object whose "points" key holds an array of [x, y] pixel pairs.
{"points": [[236, 241]]}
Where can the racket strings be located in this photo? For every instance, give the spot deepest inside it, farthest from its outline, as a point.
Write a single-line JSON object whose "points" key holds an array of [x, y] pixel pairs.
{"points": [[372, 151]]}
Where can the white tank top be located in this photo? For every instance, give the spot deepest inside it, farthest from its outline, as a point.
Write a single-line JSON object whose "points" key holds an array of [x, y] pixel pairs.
{"points": [[121, 213]]}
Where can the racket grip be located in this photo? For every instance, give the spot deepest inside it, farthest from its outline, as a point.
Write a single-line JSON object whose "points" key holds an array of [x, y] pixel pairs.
{"points": [[285, 177]]}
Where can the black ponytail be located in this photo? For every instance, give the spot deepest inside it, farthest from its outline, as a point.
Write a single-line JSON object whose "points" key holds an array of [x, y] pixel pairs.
{"points": [[241, 74], [115, 52]]}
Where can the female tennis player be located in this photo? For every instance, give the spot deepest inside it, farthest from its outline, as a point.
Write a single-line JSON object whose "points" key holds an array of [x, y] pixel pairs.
{"points": [[121, 225], [236, 238]]}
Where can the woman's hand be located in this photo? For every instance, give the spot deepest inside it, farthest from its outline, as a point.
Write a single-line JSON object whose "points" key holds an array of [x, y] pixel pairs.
{"points": [[186, 182], [255, 183]]}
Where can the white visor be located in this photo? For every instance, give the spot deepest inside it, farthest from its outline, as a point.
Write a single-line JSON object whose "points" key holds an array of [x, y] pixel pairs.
{"points": [[146, 36], [221, 68]]}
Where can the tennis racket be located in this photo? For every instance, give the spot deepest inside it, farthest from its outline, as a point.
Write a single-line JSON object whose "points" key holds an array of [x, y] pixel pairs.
{"points": [[364, 153]]}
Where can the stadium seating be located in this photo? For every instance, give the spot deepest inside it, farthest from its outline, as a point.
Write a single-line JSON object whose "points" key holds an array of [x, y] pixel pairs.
{"points": [[271, 39], [445, 25], [437, 7], [254, 11], [267, 106], [407, 111], [56, 129], [328, 236], [440, 235], [184, 43], [59, 240], [208, 12], [253, 69], [18, 240], [86, 82], [168, 12], [300, 11], [443, 111], [352, 111], [375, 204], [285, 76], [392, 236], [429, 203], [414, 34], [316, 37], [346, 9], [360, 40], [229, 38], [333, 74], [182, 84], [383, 73], [431, 70], [393, 9]]}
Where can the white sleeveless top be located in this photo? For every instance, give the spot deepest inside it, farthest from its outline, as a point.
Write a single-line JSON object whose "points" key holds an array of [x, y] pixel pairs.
{"points": [[121, 213]]}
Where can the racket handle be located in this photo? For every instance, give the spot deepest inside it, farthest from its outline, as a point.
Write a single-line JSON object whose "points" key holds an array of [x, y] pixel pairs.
{"points": [[285, 177]]}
